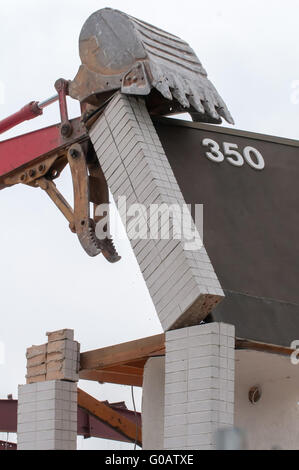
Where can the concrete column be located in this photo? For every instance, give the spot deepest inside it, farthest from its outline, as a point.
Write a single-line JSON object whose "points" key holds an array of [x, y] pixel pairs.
{"points": [[47, 405], [153, 404], [199, 385], [179, 275], [47, 416]]}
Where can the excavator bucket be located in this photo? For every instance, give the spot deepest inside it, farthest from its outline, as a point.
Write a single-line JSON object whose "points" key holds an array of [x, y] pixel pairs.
{"points": [[119, 52]]}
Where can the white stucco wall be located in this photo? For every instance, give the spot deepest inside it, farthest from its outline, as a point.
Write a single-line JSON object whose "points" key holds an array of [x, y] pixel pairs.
{"points": [[274, 421]]}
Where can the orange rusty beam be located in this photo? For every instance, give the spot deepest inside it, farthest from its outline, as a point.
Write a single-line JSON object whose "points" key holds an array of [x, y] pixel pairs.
{"points": [[124, 353], [111, 417]]}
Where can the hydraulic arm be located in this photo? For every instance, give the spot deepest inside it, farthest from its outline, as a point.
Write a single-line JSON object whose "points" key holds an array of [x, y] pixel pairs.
{"points": [[37, 159], [119, 54]]}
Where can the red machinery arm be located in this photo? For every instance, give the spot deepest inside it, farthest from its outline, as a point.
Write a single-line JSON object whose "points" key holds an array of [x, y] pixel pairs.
{"points": [[30, 111], [38, 158]]}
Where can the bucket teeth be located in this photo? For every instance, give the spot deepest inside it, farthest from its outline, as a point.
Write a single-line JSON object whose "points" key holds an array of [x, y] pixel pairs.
{"points": [[109, 251], [115, 48]]}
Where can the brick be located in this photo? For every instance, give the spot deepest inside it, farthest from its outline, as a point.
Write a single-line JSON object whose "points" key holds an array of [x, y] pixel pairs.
{"points": [[174, 288], [170, 313], [57, 356], [174, 431], [176, 345], [54, 366], [205, 361], [46, 395], [175, 442], [24, 389], [36, 351], [26, 437], [175, 377], [60, 335], [208, 405], [36, 371], [175, 398], [28, 408], [176, 420], [200, 440], [203, 417], [171, 410], [25, 416], [36, 379], [48, 415], [176, 387], [26, 398], [177, 334], [203, 428], [59, 346], [26, 446], [176, 366], [203, 351], [203, 395], [28, 427], [203, 384], [55, 375], [176, 356], [226, 418], [36, 360], [50, 385], [207, 329]]}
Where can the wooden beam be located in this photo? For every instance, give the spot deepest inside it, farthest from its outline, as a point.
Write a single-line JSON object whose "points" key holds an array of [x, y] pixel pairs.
{"points": [[109, 363], [112, 377], [111, 417], [136, 365], [125, 369], [245, 344], [123, 353]]}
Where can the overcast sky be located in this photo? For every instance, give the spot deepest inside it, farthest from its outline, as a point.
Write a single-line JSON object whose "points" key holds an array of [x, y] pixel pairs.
{"points": [[47, 282]]}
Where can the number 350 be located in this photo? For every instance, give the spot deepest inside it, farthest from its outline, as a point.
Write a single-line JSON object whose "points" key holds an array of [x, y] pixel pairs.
{"points": [[231, 151]]}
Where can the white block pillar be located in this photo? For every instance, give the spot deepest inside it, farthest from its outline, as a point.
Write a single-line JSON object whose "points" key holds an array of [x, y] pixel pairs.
{"points": [[153, 404], [199, 385], [47, 416], [47, 405], [180, 278]]}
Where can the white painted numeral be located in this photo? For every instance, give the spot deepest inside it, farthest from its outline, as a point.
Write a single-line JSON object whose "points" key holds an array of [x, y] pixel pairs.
{"points": [[215, 155], [259, 164], [231, 151]]}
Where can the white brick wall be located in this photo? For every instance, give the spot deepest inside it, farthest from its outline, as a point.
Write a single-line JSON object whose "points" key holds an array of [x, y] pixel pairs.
{"points": [[47, 416], [182, 283], [199, 385]]}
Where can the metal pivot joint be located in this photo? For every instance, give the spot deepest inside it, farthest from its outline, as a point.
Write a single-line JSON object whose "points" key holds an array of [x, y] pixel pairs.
{"points": [[62, 88]]}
